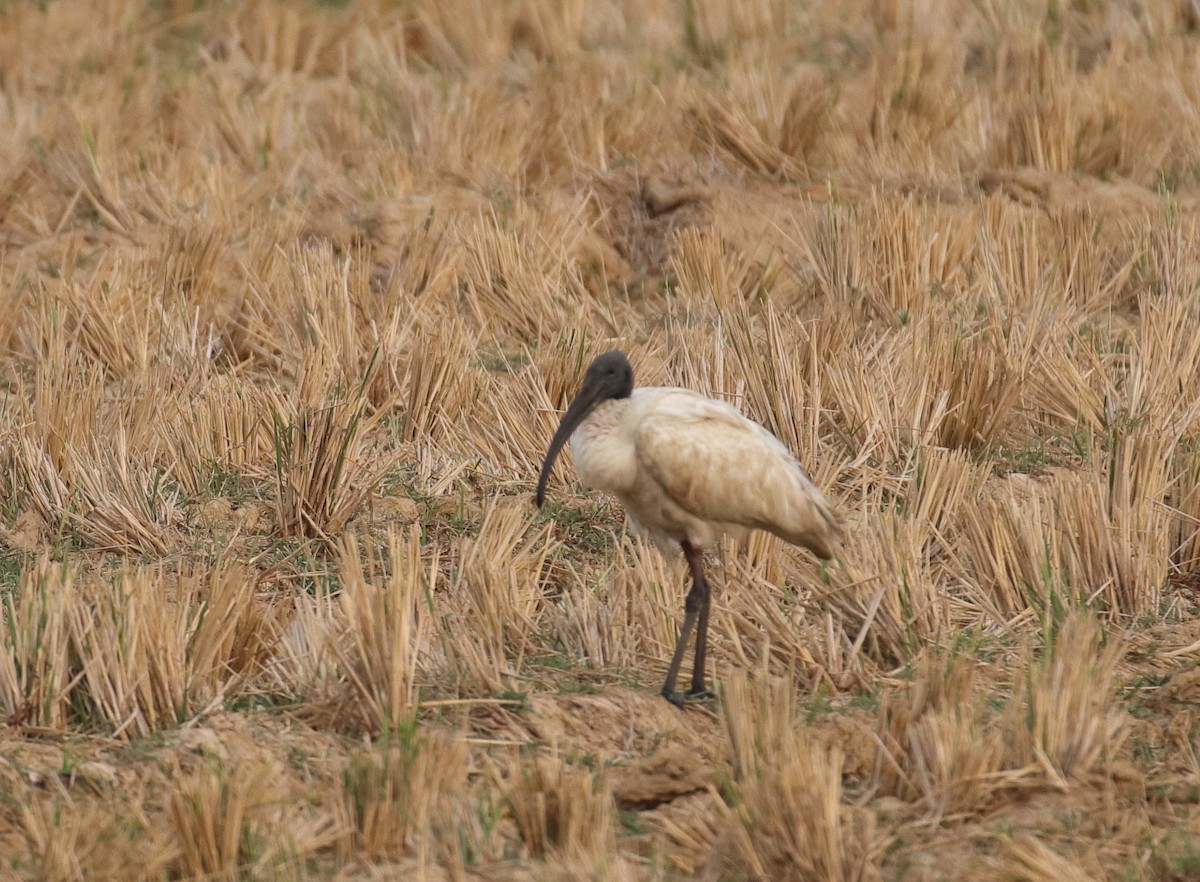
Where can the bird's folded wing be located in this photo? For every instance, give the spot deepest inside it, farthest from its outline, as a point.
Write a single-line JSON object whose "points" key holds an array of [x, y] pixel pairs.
{"points": [[721, 467]]}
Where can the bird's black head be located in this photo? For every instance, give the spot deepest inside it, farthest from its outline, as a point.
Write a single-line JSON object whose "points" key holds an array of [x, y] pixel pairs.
{"points": [[609, 376]]}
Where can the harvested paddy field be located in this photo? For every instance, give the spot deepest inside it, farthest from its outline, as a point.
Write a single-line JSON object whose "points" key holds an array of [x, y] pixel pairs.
{"points": [[292, 296]]}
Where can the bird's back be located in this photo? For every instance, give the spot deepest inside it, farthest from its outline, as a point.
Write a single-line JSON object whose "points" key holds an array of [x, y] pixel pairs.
{"points": [[726, 469]]}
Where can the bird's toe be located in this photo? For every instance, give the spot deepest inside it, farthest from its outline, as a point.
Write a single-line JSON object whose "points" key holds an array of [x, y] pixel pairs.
{"points": [[700, 695], [676, 698]]}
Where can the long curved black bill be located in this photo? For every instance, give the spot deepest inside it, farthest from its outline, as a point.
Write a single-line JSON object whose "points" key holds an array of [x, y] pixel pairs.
{"points": [[577, 411]]}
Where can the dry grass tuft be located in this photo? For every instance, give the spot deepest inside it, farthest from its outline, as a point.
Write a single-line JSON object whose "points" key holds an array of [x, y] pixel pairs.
{"points": [[131, 653], [36, 673], [497, 596], [1063, 719], [323, 468], [222, 433], [942, 743], [788, 821], [563, 812], [1029, 860], [210, 816], [381, 632], [405, 797], [936, 744], [84, 462], [64, 842], [228, 824]]}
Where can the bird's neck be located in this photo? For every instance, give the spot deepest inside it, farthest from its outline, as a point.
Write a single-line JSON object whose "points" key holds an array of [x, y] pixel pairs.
{"points": [[602, 447], [605, 417]]}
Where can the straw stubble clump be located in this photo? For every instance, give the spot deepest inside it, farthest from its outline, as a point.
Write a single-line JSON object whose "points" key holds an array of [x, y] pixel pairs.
{"points": [[291, 297]]}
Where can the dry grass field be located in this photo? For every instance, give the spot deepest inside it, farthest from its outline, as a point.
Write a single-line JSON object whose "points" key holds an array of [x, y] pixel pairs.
{"points": [[293, 294]]}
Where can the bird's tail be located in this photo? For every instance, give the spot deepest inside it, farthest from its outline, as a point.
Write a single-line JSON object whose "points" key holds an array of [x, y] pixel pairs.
{"points": [[811, 521]]}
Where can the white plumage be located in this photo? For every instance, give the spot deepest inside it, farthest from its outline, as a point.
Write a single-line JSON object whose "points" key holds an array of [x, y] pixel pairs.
{"points": [[686, 469]]}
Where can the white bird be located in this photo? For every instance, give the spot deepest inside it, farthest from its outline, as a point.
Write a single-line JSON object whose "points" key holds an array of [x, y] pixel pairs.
{"points": [[687, 469]]}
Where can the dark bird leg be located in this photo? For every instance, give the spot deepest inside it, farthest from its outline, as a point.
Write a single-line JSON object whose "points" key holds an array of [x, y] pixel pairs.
{"points": [[699, 690], [694, 607]]}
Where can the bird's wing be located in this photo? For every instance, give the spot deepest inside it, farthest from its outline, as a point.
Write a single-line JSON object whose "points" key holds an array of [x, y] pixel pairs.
{"points": [[721, 467]]}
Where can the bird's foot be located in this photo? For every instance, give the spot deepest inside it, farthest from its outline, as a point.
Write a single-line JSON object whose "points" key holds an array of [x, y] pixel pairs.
{"points": [[679, 699]]}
